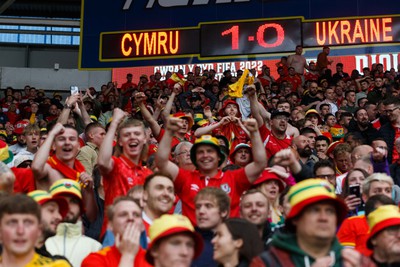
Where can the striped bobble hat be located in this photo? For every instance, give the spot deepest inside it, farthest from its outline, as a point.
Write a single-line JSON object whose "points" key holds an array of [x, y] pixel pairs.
{"points": [[381, 218], [6, 155], [311, 191]]}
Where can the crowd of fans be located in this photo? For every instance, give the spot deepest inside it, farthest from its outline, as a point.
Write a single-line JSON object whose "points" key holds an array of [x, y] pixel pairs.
{"points": [[190, 170]]}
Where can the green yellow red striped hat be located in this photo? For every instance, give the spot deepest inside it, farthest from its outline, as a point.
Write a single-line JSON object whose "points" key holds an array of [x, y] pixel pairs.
{"points": [[42, 197], [206, 140], [311, 191], [381, 218], [6, 155], [66, 187]]}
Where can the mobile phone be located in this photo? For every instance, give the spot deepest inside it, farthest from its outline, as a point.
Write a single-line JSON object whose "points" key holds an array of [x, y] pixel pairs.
{"points": [[355, 190], [74, 90]]}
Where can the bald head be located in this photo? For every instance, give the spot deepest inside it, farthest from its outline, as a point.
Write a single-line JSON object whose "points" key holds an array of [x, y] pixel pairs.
{"points": [[360, 151]]}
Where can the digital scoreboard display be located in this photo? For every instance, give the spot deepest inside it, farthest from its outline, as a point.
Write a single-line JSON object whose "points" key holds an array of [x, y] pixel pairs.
{"points": [[149, 44], [232, 39], [351, 31], [249, 37]]}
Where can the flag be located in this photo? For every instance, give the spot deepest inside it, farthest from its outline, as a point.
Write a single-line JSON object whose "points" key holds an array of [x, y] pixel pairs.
{"points": [[176, 78], [236, 89]]}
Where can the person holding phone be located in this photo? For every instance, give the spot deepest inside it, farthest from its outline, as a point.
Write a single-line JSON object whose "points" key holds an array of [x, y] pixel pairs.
{"points": [[351, 193]]}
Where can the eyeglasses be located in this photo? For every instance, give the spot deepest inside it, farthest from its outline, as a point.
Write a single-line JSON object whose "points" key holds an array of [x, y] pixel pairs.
{"points": [[282, 118], [390, 110], [183, 153]]}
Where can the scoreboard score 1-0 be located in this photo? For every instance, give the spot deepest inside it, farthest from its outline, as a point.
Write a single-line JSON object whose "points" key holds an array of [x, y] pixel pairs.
{"points": [[232, 39]]}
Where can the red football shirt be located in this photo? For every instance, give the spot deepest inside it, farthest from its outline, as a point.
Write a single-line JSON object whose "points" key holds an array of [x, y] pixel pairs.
{"points": [[123, 176], [272, 144], [24, 180], [110, 257], [354, 233], [189, 183]]}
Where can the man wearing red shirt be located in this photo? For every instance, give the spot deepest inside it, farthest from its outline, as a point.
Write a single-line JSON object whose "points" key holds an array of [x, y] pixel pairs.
{"points": [[125, 221], [157, 81], [126, 89], [207, 156], [123, 172], [159, 196], [294, 79]]}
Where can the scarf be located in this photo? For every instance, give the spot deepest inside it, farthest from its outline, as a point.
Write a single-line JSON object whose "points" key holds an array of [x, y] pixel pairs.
{"points": [[58, 165]]}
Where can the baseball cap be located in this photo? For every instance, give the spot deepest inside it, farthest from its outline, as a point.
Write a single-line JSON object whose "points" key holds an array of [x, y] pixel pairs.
{"points": [[19, 126], [19, 159], [311, 191], [278, 112], [172, 224], [42, 197], [206, 140]]}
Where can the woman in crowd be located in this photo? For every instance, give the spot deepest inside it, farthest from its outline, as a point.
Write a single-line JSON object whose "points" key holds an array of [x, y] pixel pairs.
{"points": [[352, 191], [236, 243]]}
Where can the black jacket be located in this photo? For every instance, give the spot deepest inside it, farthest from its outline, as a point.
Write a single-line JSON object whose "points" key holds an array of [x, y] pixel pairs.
{"points": [[388, 134]]}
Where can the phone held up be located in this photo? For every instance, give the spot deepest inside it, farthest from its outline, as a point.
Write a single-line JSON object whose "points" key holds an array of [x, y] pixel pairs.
{"points": [[74, 90]]}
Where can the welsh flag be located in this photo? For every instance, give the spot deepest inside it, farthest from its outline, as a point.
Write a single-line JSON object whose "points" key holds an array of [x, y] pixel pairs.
{"points": [[176, 78]]}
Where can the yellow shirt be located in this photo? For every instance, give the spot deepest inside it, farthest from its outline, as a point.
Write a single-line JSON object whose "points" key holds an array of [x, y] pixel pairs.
{"points": [[42, 261]]}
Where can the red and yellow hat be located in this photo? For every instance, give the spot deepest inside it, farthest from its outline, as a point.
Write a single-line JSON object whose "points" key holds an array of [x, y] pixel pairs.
{"points": [[6, 155], [168, 225], [42, 197], [381, 218], [182, 115], [313, 112], [311, 191]]}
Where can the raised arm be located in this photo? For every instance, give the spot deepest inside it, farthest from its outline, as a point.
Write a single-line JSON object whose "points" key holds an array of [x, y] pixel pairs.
{"points": [[170, 102], [164, 148], [254, 169], [39, 167], [154, 126], [84, 114], [208, 129], [69, 105], [104, 160], [254, 105]]}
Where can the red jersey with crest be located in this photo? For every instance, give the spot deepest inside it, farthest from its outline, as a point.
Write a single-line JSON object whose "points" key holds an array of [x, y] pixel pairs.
{"points": [[272, 144], [124, 175], [189, 183]]}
